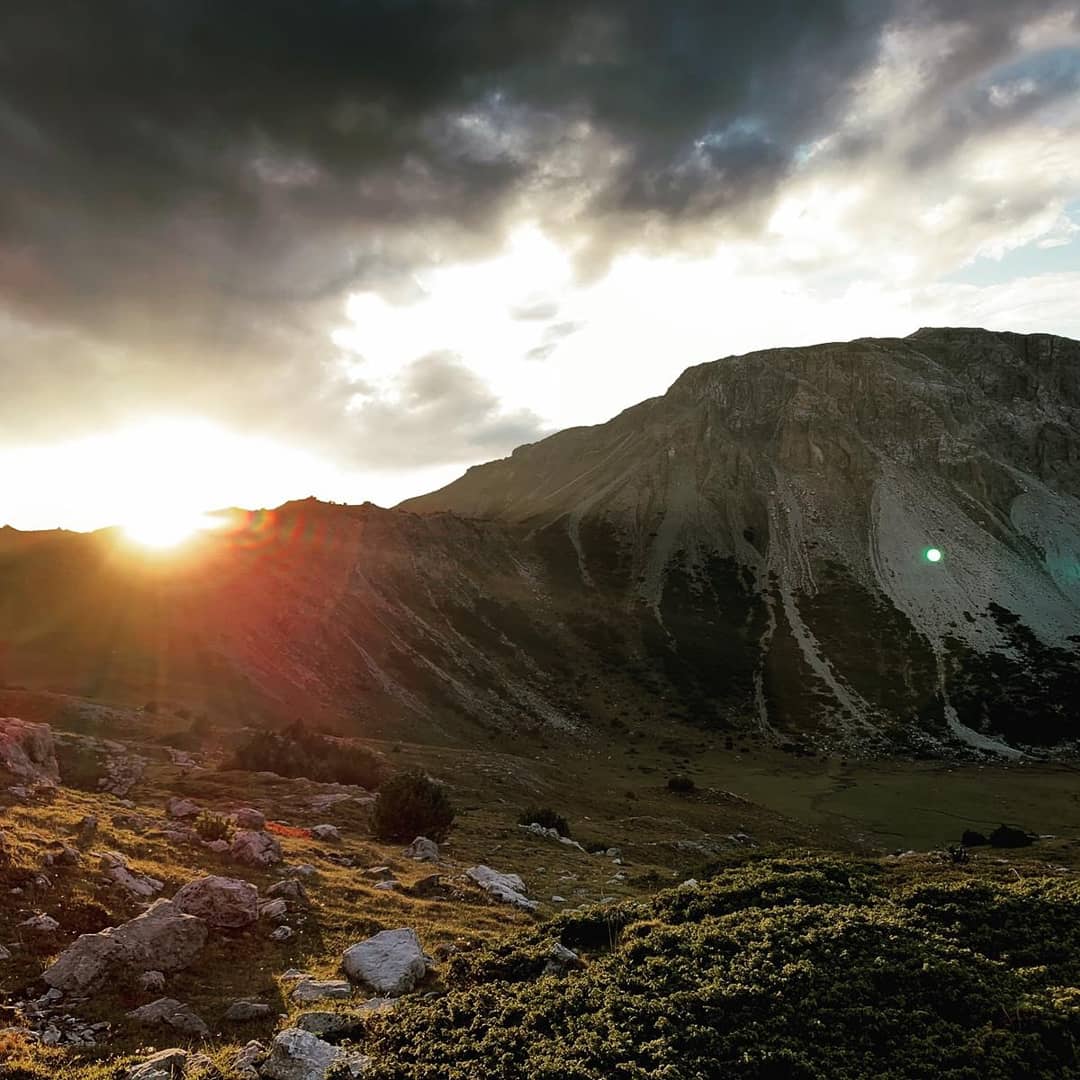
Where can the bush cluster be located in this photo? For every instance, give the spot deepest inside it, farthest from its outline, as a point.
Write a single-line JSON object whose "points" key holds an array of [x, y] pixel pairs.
{"points": [[298, 751], [545, 816], [211, 826], [779, 970], [411, 804]]}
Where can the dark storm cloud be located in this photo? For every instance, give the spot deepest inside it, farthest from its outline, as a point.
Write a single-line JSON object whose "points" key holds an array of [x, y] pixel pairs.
{"points": [[187, 189]]}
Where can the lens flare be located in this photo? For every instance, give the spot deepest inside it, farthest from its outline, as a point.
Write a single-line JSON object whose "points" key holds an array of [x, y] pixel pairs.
{"points": [[933, 555]]}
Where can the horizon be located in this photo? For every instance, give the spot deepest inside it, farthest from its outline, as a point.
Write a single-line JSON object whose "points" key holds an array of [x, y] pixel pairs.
{"points": [[459, 235]]}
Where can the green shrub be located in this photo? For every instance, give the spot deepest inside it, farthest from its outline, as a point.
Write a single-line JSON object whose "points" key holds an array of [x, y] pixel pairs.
{"points": [[211, 826], [411, 804], [301, 752], [545, 816]]}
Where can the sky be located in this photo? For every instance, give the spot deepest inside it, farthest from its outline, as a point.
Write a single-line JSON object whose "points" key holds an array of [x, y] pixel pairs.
{"points": [[266, 249]]}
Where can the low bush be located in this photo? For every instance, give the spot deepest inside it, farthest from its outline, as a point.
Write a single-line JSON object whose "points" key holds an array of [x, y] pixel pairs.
{"points": [[211, 826], [682, 785], [298, 751], [411, 804], [545, 816], [1009, 836], [971, 838]]}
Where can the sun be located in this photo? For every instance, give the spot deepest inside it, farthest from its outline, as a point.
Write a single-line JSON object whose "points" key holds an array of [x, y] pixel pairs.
{"points": [[167, 528]]}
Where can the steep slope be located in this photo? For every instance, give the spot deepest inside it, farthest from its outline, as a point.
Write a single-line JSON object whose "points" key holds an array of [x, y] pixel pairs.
{"points": [[747, 552], [824, 475]]}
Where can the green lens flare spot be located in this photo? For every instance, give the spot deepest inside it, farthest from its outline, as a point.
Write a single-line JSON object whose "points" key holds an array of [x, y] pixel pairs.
{"points": [[932, 554]]}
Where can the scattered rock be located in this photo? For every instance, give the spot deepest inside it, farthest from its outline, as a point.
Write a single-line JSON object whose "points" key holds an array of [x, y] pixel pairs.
{"points": [[560, 959], [5, 954], [275, 910], [242, 1011], [537, 829], [43, 924], [428, 887], [248, 818], [282, 933], [28, 753], [388, 886], [422, 850], [308, 991], [290, 889], [326, 832], [153, 982], [379, 872], [558, 899], [61, 854], [219, 847], [253, 848], [391, 963], [305, 870], [506, 887], [246, 1059], [164, 1065], [173, 1013], [115, 868], [182, 808], [162, 938], [220, 901], [299, 1055]]}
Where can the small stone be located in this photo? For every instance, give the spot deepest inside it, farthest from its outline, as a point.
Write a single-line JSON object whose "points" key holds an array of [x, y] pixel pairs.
{"points": [[182, 808], [254, 848], [308, 991], [388, 886], [378, 872], [282, 933], [244, 1063], [44, 924], [164, 1065], [243, 1011], [248, 818], [422, 850], [305, 870], [152, 982], [290, 889], [558, 899], [275, 910], [173, 1013], [326, 832]]}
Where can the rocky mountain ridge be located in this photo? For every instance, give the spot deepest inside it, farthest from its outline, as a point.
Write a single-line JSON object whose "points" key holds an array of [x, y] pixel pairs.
{"points": [[746, 552]]}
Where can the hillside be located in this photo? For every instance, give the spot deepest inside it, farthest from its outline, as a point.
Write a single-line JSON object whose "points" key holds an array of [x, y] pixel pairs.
{"points": [[745, 553]]}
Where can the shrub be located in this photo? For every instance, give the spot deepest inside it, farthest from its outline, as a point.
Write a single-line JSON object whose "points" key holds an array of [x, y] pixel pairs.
{"points": [[545, 816], [683, 785], [1009, 836], [80, 766], [971, 838], [411, 804], [300, 752], [211, 826]]}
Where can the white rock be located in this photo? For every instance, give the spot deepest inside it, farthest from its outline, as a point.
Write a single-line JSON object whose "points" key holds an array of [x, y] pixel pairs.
{"points": [[388, 886], [182, 808], [44, 924], [254, 848], [164, 1065], [558, 899], [422, 850], [308, 991], [391, 963], [220, 901], [326, 832], [173, 1013], [299, 1055], [506, 887]]}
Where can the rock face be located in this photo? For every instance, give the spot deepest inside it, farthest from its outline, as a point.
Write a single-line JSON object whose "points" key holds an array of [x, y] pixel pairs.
{"points": [[162, 938], [506, 887], [220, 901], [27, 753], [253, 848], [391, 963], [748, 550]]}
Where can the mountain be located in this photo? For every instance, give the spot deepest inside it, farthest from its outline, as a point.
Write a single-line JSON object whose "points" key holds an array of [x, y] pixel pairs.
{"points": [[747, 552]]}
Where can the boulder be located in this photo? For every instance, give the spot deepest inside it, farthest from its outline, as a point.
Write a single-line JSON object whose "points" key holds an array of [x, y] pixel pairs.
{"points": [[422, 850], [506, 887], [299, 1055], [182, 808], [28, 753], [253, 848], [164, 1065], [290, 889], [248, 818], [162, 938], [240, 1012], [391, 963], [174, 1014], [308, 991], [325, 832], [220, 901], [275, 910]]}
